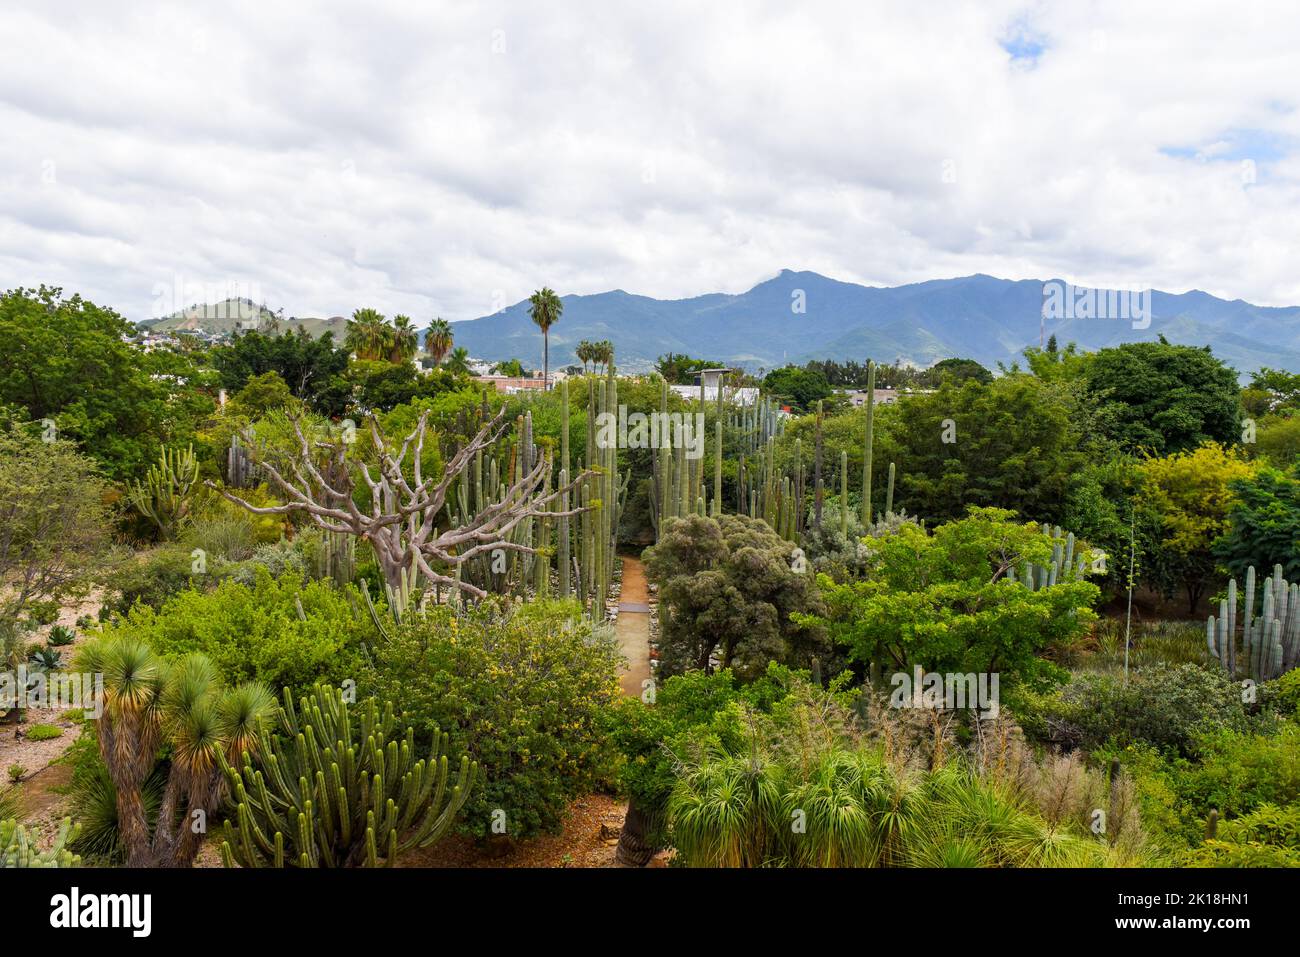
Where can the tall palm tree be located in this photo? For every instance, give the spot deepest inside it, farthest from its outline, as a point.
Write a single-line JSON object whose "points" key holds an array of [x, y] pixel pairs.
{"points": [[458, 361], [545, 309], [438, 339], [584, 353], [405, 339], [603, 352], [368, 334]]}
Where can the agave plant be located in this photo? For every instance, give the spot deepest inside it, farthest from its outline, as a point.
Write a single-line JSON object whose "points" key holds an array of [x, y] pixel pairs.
{"points": [[149, 702], [61, 635]]}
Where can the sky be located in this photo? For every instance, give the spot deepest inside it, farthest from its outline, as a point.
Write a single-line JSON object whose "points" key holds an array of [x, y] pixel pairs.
{"points": [[446, 159]]}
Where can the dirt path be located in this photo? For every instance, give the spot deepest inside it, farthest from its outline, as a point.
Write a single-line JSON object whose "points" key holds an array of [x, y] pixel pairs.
{"points": [[633, 628]]}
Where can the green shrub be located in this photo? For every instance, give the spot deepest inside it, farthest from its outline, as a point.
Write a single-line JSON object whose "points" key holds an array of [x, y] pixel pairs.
{"points": [[520, 688], [231, 536], [44, 732], [1269, 836], [255, 632], [1163, 706], [1284, 693], [150, 579], [280, 559]]}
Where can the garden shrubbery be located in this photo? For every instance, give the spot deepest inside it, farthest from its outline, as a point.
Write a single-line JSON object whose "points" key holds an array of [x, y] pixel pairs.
{"points": [[522, 689], [258, 632]]}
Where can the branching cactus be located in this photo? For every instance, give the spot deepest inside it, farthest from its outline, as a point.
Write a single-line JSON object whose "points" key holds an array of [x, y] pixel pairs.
{"points": [[1267, 646], [18, 848], [164, 496], [340, 788], [1069, 562]]}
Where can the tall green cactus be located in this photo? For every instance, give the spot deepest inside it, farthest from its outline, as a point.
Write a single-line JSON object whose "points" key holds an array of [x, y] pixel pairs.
{"points": [[1269, 644], [1068, 563], [20, 848], [339, 789], [869, 444], [164, 496]]}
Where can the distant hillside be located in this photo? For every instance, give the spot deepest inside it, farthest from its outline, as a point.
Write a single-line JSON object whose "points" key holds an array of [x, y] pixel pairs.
{"points": [[980, 317], [230, 315]]}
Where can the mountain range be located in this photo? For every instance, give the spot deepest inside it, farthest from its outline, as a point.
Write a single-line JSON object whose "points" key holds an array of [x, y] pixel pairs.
{"points": [[797, 316], [980, 317]]}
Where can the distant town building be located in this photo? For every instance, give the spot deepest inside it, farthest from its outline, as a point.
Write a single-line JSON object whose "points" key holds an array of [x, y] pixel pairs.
{"points": [[882, 397], [743, 396], [509, 385]]}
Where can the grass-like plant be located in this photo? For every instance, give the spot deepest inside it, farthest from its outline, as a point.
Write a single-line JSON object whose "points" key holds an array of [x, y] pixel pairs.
{"points": [[44, 732]]}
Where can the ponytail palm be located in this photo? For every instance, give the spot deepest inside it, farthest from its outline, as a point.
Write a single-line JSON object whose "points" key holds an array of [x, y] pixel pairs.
{"points": [[149, 705]]}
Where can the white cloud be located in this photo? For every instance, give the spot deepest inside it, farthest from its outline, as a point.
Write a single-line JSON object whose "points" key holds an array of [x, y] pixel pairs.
{"points": [[435, 158]]}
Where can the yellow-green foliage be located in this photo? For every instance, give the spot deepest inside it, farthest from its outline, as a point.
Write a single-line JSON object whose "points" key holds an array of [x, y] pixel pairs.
{"points": [[523, 689], [255, 632]]}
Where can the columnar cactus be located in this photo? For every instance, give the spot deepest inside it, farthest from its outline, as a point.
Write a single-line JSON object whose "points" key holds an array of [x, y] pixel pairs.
{"points": [[1269, 644], [18, 848], [338, 789], [870, 442], [164, 496]]}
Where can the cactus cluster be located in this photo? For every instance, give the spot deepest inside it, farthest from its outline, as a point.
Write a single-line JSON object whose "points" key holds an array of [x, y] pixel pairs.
{"points": [[340, 789], [1068, 563], [164, 496], [240, 470], [1266, 646], [18, 848]]}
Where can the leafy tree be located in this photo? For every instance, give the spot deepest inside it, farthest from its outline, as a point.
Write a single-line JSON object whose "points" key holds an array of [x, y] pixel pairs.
{"points": [[308, 366], [511, 367], [376, 386], [1166, 398], [679, 369], [1277, 439], [1264, 523], [944, 601], [438, 339], [1013, 443], [1053, 364], [262, 394], [545, 309], [54, 525], [1272, 391], [1190, 494], [727, 589], [57, 348], [800, 387], [958, 370]]}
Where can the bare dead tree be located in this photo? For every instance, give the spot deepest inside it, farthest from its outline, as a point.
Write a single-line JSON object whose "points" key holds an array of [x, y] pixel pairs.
{"points": [[401, 524]]}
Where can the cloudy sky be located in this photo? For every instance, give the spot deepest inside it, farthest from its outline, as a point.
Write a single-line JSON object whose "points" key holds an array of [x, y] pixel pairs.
{"points": [[448, 158]]}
